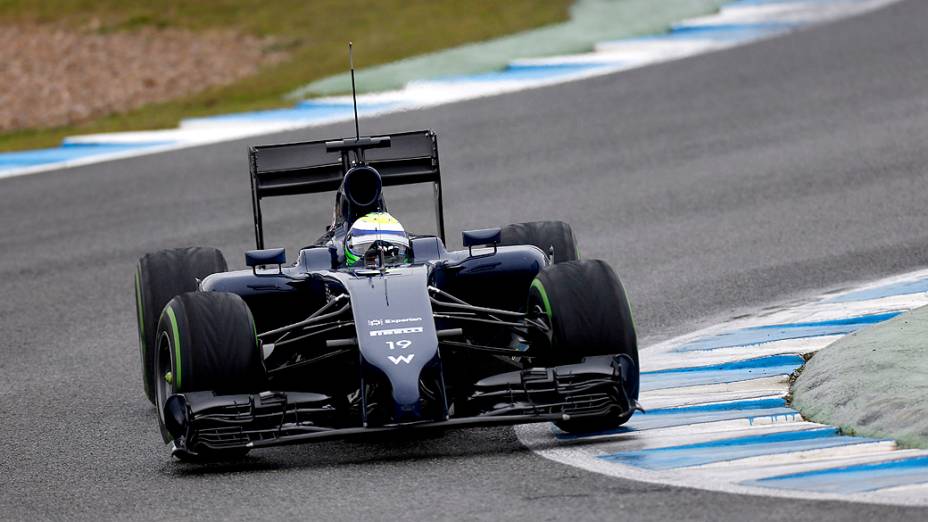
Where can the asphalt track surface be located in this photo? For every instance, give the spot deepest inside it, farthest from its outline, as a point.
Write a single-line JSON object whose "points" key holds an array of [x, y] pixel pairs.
{"points": [[714, 185]]}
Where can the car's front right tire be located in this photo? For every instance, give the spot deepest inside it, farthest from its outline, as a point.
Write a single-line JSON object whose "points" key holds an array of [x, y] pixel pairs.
{"points": [[206, 341]]}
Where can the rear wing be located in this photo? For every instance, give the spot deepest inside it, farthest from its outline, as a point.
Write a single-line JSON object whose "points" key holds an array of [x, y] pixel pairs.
{"points": [[309, 168]]}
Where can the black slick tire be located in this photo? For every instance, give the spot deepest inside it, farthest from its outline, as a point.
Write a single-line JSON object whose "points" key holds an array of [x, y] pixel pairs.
{"points": [[549, 236], [587, 308], [206, 341], [159, 276]]}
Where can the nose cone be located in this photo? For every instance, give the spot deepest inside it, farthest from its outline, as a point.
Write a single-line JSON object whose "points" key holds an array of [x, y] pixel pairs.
{"points": [[407, 403], [404, 413]]}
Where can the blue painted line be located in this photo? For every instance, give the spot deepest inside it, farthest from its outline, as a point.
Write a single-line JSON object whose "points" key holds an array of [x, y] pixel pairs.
{"points": [[782, 332], [723, 32], [733, 449], [303, 111], [649, 421], [906, 288], [698, 414], [745, 3], [861, 320], [525, 72], [853, 479], [747, 404], [66, 152], [313, 104], [713, 29], [721, 373]]}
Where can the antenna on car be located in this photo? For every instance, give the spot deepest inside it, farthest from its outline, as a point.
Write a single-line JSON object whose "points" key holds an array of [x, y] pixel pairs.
{"points": [[358, 145], [354, 93]]}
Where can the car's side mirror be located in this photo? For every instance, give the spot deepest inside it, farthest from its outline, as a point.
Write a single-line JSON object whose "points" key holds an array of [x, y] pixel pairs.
{"points": [[482, 237], [268, 256]]}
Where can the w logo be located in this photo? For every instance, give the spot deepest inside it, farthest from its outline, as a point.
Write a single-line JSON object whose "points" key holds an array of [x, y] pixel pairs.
{"points": [[396, 359]]}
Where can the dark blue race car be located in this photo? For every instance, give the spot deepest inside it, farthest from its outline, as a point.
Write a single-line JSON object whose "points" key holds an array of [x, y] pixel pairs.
{"points": [[373, 329]]}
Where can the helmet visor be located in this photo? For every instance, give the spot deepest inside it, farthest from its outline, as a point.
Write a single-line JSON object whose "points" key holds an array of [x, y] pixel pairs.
{"points": [[394, 247]]}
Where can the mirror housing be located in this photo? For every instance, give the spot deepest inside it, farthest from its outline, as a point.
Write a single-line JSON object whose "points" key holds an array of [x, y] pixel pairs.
{"points": [[482, 237], [268, 256]]}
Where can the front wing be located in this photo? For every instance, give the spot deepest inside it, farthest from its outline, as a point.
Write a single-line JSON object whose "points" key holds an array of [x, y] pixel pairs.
{"points": [[203, 421]]}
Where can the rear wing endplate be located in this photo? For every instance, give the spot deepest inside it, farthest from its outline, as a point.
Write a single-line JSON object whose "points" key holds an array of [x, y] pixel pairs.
{"points": [[308, 168]]}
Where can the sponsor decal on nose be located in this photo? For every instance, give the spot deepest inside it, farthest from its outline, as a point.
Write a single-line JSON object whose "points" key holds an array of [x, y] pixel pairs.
{"points": [[396, 331]]}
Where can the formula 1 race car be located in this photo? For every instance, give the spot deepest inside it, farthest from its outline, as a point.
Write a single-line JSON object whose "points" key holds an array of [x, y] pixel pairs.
{"points": [[373, 329]]}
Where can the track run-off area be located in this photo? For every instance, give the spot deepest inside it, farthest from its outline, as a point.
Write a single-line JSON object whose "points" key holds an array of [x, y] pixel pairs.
{"points": [[776, 172], [737, 23]]}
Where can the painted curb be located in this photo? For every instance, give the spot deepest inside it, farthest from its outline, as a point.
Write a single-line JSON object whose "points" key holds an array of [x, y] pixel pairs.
{"points": [[718, 418], [872, 383]]}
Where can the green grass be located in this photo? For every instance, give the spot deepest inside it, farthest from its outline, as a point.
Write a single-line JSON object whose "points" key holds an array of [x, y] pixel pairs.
{"points": [[314, 32]]}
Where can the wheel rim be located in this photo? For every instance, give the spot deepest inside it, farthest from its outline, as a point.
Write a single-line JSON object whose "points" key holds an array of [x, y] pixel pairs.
{"points": [[162, 367]]}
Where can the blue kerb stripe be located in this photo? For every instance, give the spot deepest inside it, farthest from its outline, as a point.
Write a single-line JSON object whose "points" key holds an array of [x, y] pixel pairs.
{"points": [[303, 111], [909, 287], [68, 152], [859, 320], [853, 479], [698, 414], [721, 373], [641, 422], [108, 146], [734, 449], [771, 361], [726, 32], [750, 404], [525, 72], [312, 104], [739, 3], [782, 332], [696, 29]]}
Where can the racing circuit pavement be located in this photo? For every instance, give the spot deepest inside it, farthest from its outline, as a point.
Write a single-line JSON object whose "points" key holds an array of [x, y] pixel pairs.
{"points": [[715, 185]]}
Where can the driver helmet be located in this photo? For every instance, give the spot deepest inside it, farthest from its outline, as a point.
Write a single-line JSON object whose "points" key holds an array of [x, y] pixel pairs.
{"points": [[377, 230]]}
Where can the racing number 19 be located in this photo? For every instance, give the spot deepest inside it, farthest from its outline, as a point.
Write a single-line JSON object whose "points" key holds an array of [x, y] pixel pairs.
{"points": [[399, 344]]}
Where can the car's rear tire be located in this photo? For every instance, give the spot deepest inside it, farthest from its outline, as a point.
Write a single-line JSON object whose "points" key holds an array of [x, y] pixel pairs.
{"points": [[549, 236], [159, 276], [587, 308], [206, 341]]}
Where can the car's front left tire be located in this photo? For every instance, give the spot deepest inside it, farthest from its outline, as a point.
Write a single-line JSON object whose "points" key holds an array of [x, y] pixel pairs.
{"points": [[586, 307], [554, 238]]}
